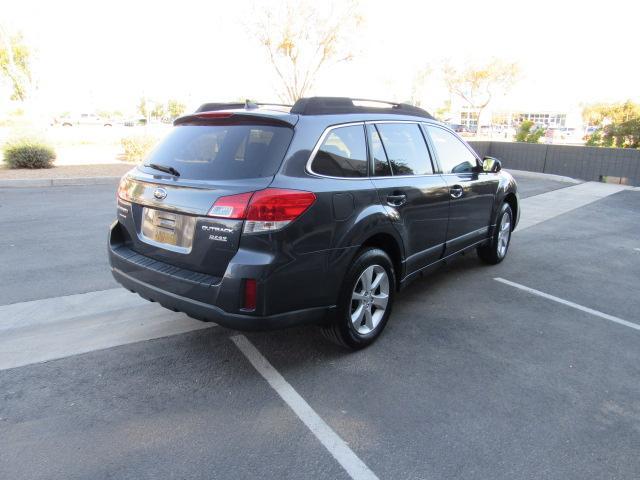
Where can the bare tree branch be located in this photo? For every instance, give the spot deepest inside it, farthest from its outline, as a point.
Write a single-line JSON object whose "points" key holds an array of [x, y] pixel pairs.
{"points": [[304, 38], [476, 84]]}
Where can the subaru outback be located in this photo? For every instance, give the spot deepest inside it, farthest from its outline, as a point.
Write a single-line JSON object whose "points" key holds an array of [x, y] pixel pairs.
{"points": [[261, 216]]}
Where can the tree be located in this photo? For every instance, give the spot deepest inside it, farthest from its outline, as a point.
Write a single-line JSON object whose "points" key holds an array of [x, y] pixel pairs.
{"points": [[15, 63], [302, 38], [526, 134], [444, 111], [175, 108], [600, 114], [417, 86], [478, 85], [617, 135], [158, 111], [619, 124], [143, 107]]}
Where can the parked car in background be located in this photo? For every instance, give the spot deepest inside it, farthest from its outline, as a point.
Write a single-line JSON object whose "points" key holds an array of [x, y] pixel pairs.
{"points": [[588, 131], [85, 119], [134, 121], [561, 135], [462, 130], [256, 218]]}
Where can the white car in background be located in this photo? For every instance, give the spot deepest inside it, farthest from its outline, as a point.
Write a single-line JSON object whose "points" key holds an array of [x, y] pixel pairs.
{"points": [[85, 119]]}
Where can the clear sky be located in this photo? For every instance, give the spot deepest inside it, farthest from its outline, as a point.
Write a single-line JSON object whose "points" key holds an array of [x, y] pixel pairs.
{"points": [[92, 54]]}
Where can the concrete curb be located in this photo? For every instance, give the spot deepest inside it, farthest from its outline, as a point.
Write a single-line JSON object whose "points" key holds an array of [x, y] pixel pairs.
{"points": [[55, 182]]}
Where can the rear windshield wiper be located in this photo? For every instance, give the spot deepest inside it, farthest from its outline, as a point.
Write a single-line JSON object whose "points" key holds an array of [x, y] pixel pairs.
{"points": [[163, 168]]}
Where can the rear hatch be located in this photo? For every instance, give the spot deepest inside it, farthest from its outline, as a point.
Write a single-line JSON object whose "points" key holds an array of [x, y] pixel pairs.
{"points": [[165, 215]]}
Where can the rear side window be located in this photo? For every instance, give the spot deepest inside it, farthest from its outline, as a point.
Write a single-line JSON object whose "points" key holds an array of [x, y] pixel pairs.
{"points": [[223, 152], [453, 155], [405, 148], [343, 153]]}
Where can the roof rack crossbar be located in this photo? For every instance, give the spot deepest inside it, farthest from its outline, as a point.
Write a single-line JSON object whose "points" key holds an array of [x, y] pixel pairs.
{"points": [[340, 105]]}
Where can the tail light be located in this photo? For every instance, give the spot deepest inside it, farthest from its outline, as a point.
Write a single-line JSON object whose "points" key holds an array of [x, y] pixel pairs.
{"points": [[274, 208], [123, 192], [265, 210], [232, 206]]}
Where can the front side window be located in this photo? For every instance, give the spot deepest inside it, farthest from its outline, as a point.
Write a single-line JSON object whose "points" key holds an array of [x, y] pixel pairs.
{"points": [[343, 153], [405, 148], [454, 156]]}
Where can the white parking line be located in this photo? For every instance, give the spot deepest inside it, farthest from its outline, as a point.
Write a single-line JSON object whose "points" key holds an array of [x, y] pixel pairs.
{"points": [[597, 313], [330, 439], [637, 249]]}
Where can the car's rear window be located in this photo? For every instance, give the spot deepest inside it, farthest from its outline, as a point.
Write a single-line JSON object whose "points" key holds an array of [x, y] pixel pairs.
{"points": [[223, 152]]}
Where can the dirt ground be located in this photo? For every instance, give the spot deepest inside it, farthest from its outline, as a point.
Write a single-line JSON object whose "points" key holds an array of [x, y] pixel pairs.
{"points": [[67, 171]]}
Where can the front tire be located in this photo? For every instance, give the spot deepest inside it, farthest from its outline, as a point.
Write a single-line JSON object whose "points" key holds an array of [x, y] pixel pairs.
{"points": [[497, 248], [365, 301]]}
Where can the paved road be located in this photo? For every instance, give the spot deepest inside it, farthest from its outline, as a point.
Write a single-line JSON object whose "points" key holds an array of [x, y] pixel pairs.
{"points": [[53, 241], [472, 379]]}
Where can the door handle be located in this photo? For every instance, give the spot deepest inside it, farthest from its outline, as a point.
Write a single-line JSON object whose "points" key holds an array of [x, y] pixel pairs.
{"points": [[397, 199], [456, 191]]}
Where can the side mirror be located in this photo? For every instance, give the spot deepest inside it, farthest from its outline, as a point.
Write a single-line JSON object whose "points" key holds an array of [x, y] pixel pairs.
{"points": [[491, 165]]}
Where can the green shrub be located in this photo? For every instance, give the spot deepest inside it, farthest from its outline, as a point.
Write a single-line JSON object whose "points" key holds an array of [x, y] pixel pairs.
{"points": [[29, 153], [595, 139], [526, 134], [136, 147], [619, 135]]}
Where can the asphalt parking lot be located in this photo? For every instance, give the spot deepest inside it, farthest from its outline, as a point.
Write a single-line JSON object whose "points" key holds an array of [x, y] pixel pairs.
{"points": [[474, 378]]}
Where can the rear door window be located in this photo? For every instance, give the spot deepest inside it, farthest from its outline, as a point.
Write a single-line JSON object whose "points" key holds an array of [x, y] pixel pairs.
{"points": [[223, 152], [406, 148], [343, 153]]}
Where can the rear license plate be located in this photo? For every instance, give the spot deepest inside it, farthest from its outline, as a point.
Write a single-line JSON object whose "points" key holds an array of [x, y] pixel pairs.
{"points": [[166, 228], [162, 235]]}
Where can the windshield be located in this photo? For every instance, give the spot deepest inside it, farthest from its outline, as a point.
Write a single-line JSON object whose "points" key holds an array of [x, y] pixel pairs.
{"points": [[223, 152]]}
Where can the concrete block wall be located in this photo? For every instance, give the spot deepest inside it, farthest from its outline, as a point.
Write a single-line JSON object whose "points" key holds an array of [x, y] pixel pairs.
{"points": [[617, 165]]}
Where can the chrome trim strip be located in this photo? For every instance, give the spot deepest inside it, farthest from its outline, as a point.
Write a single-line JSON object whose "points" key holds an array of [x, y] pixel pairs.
{"points": [[169, 208], [373, 122]]}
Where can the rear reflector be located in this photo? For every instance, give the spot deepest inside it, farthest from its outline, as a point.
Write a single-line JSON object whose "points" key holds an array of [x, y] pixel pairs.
{"points": [[265, 210], [250, 294]]}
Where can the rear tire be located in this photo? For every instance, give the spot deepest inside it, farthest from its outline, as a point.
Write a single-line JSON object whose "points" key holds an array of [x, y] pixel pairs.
{"points": [[496, 250], [365, 301]]}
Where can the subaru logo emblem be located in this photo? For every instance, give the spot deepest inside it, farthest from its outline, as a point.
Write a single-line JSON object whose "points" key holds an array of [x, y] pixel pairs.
{"points": [[160, 193]]}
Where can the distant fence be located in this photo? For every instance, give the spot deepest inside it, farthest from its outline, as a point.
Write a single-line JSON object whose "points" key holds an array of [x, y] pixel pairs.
{"points": [[617, 165]]}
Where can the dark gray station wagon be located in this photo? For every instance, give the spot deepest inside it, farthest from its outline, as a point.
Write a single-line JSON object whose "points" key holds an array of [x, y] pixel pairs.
{"points": [[260, 216]]}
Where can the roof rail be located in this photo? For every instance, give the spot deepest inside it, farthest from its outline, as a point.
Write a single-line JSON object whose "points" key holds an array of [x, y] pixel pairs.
{"points": [[339, 105], [247, 105]]}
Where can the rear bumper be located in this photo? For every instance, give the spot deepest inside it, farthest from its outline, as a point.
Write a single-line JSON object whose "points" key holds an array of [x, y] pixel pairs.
{"points": [[211, 313], [219, 299]]}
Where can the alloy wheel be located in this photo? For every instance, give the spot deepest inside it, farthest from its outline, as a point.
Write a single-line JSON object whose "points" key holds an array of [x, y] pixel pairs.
{"points": [[504, 235], [369, 299]]}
